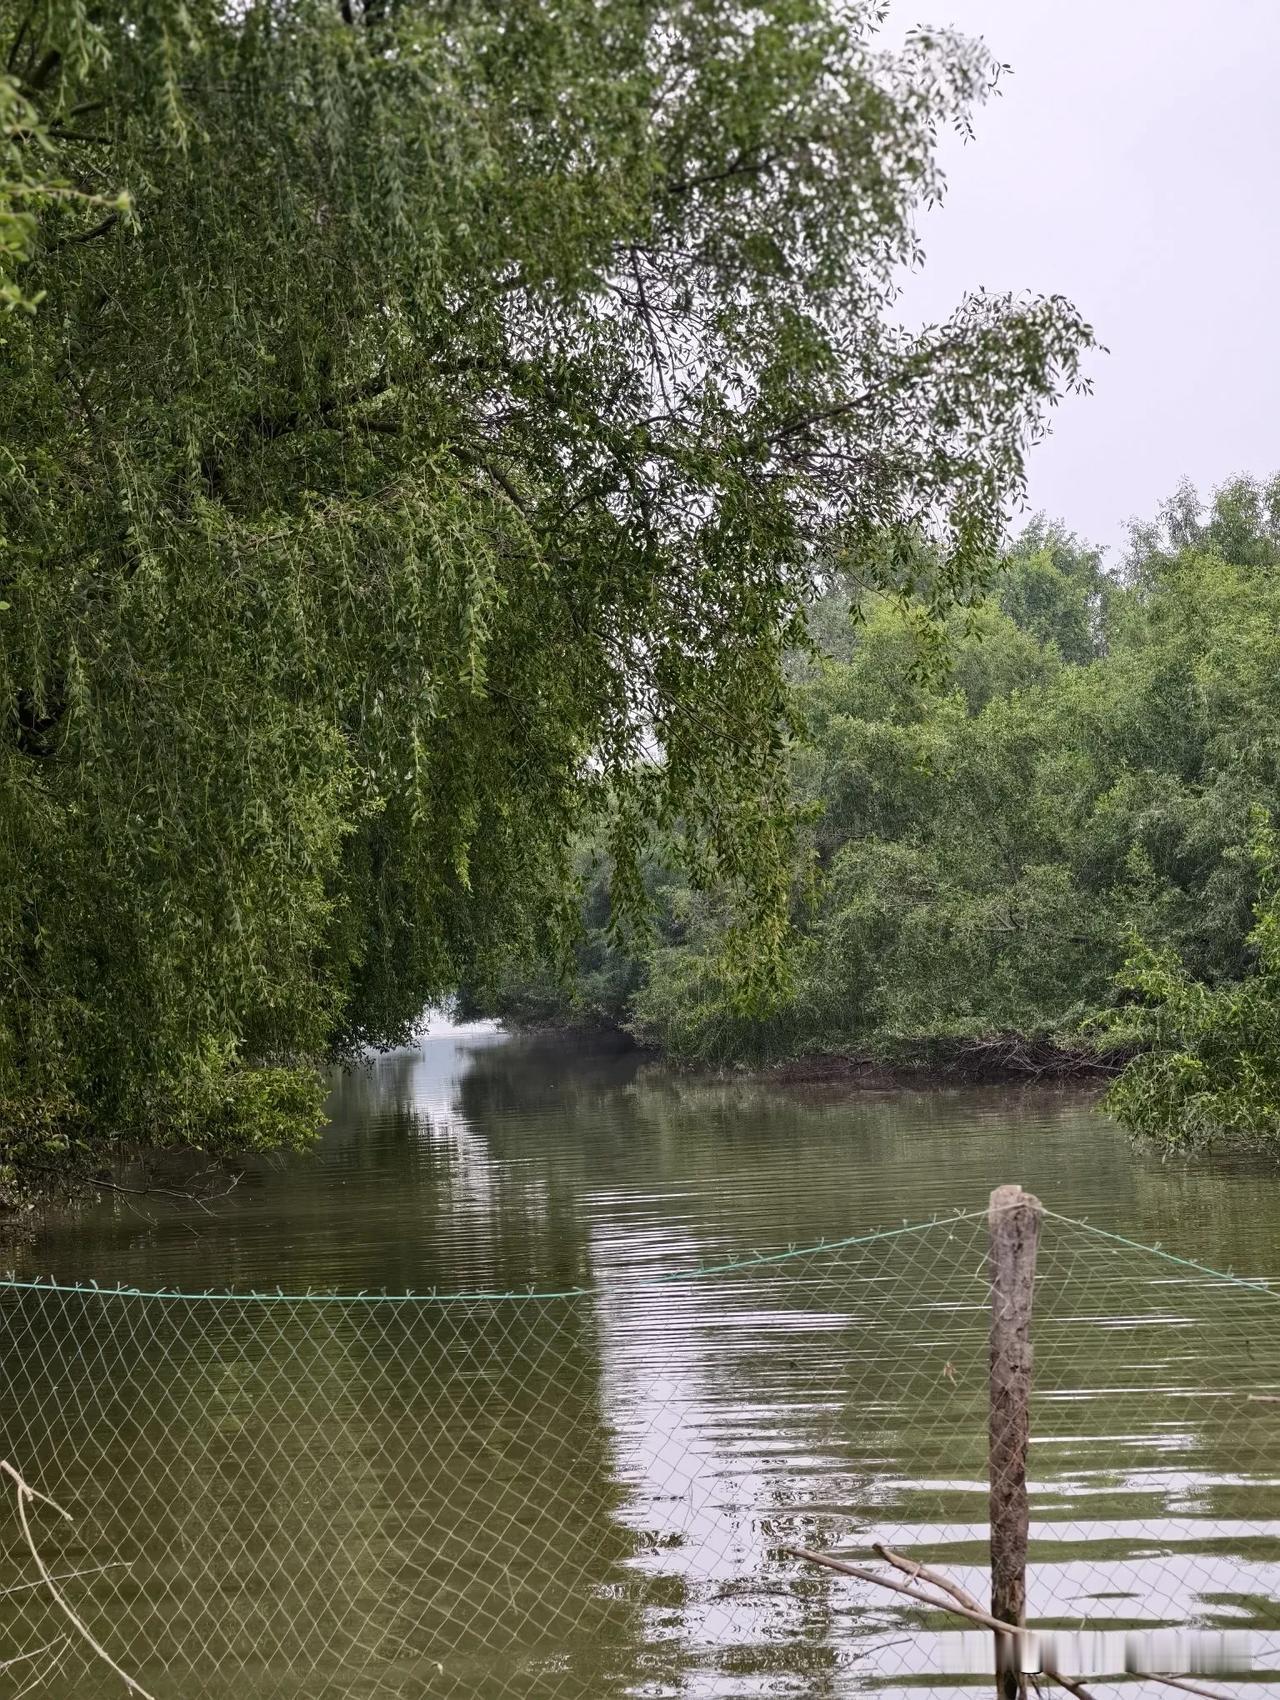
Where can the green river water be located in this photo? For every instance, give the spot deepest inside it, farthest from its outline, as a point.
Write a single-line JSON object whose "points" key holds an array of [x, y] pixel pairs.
{"points": [[555, 1498]]}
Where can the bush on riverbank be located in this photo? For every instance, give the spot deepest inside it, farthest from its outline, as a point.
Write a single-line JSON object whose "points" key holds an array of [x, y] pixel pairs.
{"points": [[1208, 1056]]}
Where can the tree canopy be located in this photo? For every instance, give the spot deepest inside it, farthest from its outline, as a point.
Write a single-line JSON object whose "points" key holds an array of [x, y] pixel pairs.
{"points": [[425, 427], [1063, 846]]}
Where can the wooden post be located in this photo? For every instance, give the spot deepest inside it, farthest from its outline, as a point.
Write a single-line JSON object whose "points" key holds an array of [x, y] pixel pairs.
{"points": [[1014, 1224]]}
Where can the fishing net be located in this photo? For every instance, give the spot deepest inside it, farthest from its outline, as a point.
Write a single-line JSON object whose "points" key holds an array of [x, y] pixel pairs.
{"points": [[594, 1493]]}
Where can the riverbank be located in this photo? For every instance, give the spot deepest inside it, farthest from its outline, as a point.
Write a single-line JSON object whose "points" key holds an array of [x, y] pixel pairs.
{"points": [[992, 1059], [989, 1059]]}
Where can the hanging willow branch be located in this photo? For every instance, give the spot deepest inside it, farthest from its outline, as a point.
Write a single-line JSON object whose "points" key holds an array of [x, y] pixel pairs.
{"points": [[471, 501]]}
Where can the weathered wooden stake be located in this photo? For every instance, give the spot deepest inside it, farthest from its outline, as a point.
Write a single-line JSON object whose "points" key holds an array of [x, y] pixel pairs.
{"points": [[1014, 1223]]}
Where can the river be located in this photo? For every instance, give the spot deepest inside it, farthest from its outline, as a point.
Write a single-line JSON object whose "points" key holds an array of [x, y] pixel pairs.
{"points": [[588, 1494]]}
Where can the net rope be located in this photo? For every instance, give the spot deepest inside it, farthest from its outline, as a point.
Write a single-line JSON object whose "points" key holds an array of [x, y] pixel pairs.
{"points": [[590, 1492]]}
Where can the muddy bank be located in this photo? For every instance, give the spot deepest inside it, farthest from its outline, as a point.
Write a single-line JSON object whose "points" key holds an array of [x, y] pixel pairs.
{"points": [[998, 1059]]}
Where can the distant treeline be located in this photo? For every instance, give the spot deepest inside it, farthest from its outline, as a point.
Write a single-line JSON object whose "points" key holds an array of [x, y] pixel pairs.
{"points": [[1059, 852]]}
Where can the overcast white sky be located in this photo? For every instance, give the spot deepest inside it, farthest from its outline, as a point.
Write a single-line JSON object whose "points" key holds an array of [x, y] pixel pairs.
{"points": [[1132, 163]]}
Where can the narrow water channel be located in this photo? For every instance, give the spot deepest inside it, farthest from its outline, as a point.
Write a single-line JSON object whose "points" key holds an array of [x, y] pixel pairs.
{"points": [[589, 1494]]}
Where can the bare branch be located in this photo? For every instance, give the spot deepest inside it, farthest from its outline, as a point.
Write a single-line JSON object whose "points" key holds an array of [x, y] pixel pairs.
{"points": [[1069, 1683], [42, 1676], [27, 1495], [1192, 1687], [201, 1200], [923, 1573], [44, 70], [35, 1653], [86, 235], [16, 45], [499, 477], [742, 166], [961, 1603], [67, 1576], [977, 1615]]}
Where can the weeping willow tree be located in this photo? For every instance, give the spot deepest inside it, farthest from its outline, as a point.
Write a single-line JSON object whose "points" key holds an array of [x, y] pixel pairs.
{"points": [[422, 427]]}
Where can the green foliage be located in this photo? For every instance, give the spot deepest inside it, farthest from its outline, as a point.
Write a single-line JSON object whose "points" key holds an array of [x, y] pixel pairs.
{"points": [[432, 457], [978, 855], [51, 1145], [27, 187], [19, 193], [1209, 1061], [216, 1107], [44, 1142], [1056, 589]]}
